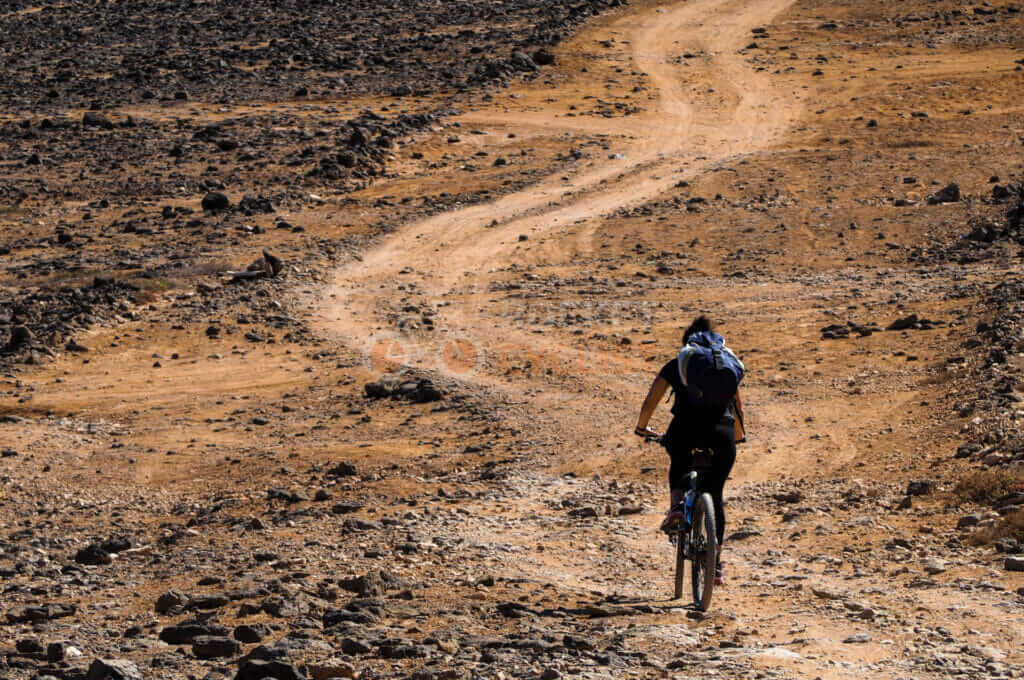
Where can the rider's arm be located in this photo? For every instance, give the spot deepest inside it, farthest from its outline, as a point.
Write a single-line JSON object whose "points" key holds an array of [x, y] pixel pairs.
{"points": [[740, 424], [657, 391]]}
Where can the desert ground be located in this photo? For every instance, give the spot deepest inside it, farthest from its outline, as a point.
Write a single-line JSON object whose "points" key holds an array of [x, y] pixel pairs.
{"points": [[324, 327]]}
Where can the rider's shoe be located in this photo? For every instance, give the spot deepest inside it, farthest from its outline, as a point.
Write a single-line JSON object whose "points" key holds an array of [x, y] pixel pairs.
{"points": [[674, 517], [719, 575]]}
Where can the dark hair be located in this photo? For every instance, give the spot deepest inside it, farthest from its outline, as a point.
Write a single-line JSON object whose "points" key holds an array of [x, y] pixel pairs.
{"points": [[700, 325]]}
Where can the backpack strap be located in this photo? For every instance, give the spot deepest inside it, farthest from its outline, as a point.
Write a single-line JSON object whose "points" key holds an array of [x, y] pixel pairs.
{"points": [[733, 355], [683, 361]]}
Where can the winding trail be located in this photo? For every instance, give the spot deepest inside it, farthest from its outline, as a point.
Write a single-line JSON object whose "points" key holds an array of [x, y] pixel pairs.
{"points": [[696, 118], [683, 128]]}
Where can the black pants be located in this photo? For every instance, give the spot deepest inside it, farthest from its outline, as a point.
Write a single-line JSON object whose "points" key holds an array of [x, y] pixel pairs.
{"points": [[681, 440]]}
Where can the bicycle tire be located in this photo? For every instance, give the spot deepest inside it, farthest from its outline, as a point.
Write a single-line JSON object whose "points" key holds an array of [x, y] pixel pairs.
{"points": [[680, 560], [704, 542]]}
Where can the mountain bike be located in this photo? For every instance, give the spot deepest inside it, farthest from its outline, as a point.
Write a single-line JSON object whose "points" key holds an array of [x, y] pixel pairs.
{"points": [[694, 538]]}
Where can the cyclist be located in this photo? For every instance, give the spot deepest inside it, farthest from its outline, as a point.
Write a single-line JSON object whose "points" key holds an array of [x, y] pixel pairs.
{"points": [[694, 425]]}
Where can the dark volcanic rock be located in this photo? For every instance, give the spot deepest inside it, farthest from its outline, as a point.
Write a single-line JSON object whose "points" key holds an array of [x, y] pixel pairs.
{"points": [[920, 487], [947, 194], [113, 669], [250, 633], [214, 646], [216, 201], [208, 602], [21, 336], [543, 57], [368, 584], [342, 469], [186, 633], [354, 647], [28, 646], [93, 554], [255, 669], [172, 601], [376, 390], [93, 119], [44, 612], [49, 314], [251, 205], [903, 324]]}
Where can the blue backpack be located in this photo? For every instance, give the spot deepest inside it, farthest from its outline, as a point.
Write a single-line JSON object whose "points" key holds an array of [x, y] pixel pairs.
{"points": [[710, 371]]}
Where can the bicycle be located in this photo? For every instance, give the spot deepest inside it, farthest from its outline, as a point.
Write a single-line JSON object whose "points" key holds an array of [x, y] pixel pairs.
{"points": [[694, 538]]}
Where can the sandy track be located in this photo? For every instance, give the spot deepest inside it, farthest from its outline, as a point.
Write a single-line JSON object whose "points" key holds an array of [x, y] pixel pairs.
{"points": [[676, 133], [699, 116], [696, 119]]}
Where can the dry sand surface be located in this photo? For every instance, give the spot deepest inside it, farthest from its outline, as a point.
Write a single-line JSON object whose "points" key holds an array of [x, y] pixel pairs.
{"points": [[400, 445]]}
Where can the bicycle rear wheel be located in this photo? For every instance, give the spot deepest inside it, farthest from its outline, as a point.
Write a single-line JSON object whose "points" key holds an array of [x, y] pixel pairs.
{"points": [[680, 559], [704, 542]]}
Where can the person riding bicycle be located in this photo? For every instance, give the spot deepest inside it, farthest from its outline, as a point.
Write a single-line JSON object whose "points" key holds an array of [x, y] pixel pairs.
{"points": [[713, 421]]}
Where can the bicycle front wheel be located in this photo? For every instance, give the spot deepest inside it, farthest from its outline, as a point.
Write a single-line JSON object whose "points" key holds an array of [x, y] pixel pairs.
{"points": [[704, 542]]}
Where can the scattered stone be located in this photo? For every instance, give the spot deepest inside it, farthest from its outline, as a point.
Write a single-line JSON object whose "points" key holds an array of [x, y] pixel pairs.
{"points": [[342, 469], [56, 651], [98, 120], [21, 336], [208, 602], [186, 633], [970, 520], [920, 487], [376, 390], [212, 647], [332, 668], [215, 201], [948, 194], [28, 646], [367, 584], [255, 669], [354, 647], [743, 533], [826, 594], [250, 633], [113, 669], [790, 496], [903, 324], [44, 612], [171, 602], [543, 57]]}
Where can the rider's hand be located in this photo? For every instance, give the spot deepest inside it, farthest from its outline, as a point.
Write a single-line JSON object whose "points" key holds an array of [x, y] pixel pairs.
{"points": [[646, 432]]}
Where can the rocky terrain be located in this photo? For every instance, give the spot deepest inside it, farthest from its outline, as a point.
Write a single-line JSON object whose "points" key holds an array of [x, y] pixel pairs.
{"points": [[324, 325]]}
